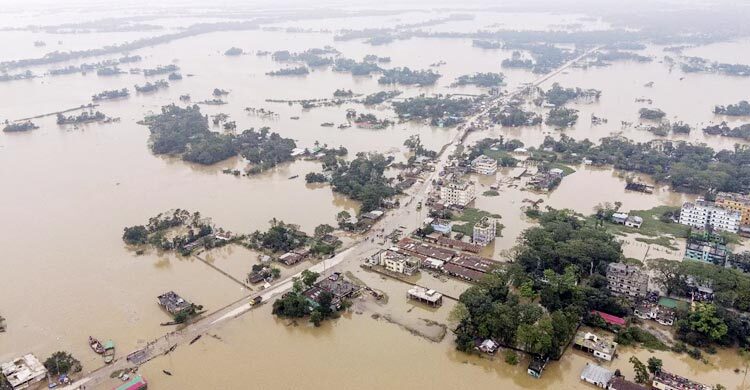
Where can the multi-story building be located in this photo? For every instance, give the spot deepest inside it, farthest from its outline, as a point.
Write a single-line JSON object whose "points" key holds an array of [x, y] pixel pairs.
{"points": [[627, 280], [709, 248], [484, 165], [484, 231], [457, 192], [735, 202], [396, 262], [701, 214]]}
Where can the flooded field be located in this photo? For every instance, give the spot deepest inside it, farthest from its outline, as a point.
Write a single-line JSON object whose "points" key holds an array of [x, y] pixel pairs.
{"points": [[68, 192]]}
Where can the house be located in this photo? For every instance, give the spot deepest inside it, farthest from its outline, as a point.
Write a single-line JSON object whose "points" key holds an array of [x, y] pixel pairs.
{"points": [[396, 262], [424, 295], [701, 214], [484, 231], [484, 165], [462, 272], [173, 303], [23, 372], [619, 383], [223, 235], [664, 380], [433, 263], [443, 226], [596, 375], [620, 218], [372, 216], [536, 366], [488, 346], [475, 263], [629, 280], [609, 318], [735, 202], [634, 221], [596, 345], [290, 258], [422, 250], [458, 244]]}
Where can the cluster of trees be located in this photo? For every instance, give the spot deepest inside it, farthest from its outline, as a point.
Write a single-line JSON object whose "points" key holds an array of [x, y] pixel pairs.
{"points": [[698, 64], [606, 56], [437, 108], [62, 363], [558, 96], [515, 116], [380, 97], [653, 114], [368, 120], [484, 44], [154, 233], [343, 93], [547, 57], [362, 179], [311, 57], [295, 304], [84, 117], [113, 94], [161, 69], [234, 51], [374, 58], [742, 108], [296, 71], [355, 68], [18, 127], [688, 167], [414, 143], [497, 148], [516, 60], [724, 130], [151, 87], [185, 132], [406, 76], [487, 80], [559, 274], [280, 237], [561, 117]]}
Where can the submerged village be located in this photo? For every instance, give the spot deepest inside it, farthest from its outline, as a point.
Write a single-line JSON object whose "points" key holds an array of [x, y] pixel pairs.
{"points": [[376, 198]]}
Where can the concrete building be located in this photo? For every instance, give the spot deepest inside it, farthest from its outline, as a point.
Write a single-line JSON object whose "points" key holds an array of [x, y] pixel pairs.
{"points": [[484, 231], [596, 345], [596, 375], [443, 226], [428, 296], [664, 380], [702, 214], [484, 165], [708, 248], [735, 202], [457, 192], [23, 372], [396, 262], [627, 280]]}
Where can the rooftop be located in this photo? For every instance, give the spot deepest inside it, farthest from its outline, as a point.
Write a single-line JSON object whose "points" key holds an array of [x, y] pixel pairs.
{"points": [[596, 374], [173, 302], [425, 294], [609, 318], [678, 382], [23, 369]]}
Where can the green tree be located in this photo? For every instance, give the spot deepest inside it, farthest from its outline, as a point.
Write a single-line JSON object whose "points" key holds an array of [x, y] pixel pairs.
{"points": [[641, 372], [537, 338], [135, 235], [323, 229], [654, 365], [704, 320], [62, 363], [309, 277]]}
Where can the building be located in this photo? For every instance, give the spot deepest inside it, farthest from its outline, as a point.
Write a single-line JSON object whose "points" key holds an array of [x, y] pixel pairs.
{"points": [[422, 250], [458, 244], [596, 345], [23, 372], [634, 221], [173, 303], [536, 366], [484, 231], [740, 261], [609, 318], [424, 295], [596, 375], [484, 165], [443, 226], [476, 263], [619, 383], [664, 380], [735, 202], [463, 272], [627, 280], [708, 248], [396, 262], [290, 258], [702, 214], [458, 193], [135, 383], [620, 218], [488, 346]]}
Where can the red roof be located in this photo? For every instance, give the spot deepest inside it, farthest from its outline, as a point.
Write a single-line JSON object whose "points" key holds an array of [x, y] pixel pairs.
{"points": [[609, 318]]}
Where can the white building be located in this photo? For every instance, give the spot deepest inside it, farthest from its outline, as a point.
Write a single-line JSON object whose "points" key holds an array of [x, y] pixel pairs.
{"points": [[596, 375], [702, 213], [23, 372], [484, 165], [485, 231], [396, 262], [458, 193]]}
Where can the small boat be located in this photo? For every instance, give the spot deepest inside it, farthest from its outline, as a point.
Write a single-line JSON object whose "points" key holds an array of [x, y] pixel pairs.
{"points": [[195, 339], [166, 372], [293, 177], [96, 345], [109, 351]]}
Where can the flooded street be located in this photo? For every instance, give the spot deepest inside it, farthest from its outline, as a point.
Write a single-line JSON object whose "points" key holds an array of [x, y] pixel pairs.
{"points": [[67, 192]]}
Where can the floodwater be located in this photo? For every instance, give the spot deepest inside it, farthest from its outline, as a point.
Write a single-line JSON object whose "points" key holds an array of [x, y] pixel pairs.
{"points": [[68, 192]]}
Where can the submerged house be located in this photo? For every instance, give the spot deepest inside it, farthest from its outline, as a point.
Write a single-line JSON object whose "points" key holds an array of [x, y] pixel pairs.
{"points": [[173, 303], [23, 372], [596, 375], [596, 345], [536, 366]]}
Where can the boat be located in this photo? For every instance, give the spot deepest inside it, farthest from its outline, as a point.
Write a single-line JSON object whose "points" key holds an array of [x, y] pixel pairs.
{"points": [[96, 345], [109, 351], [166, 372], [293, 177]]}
